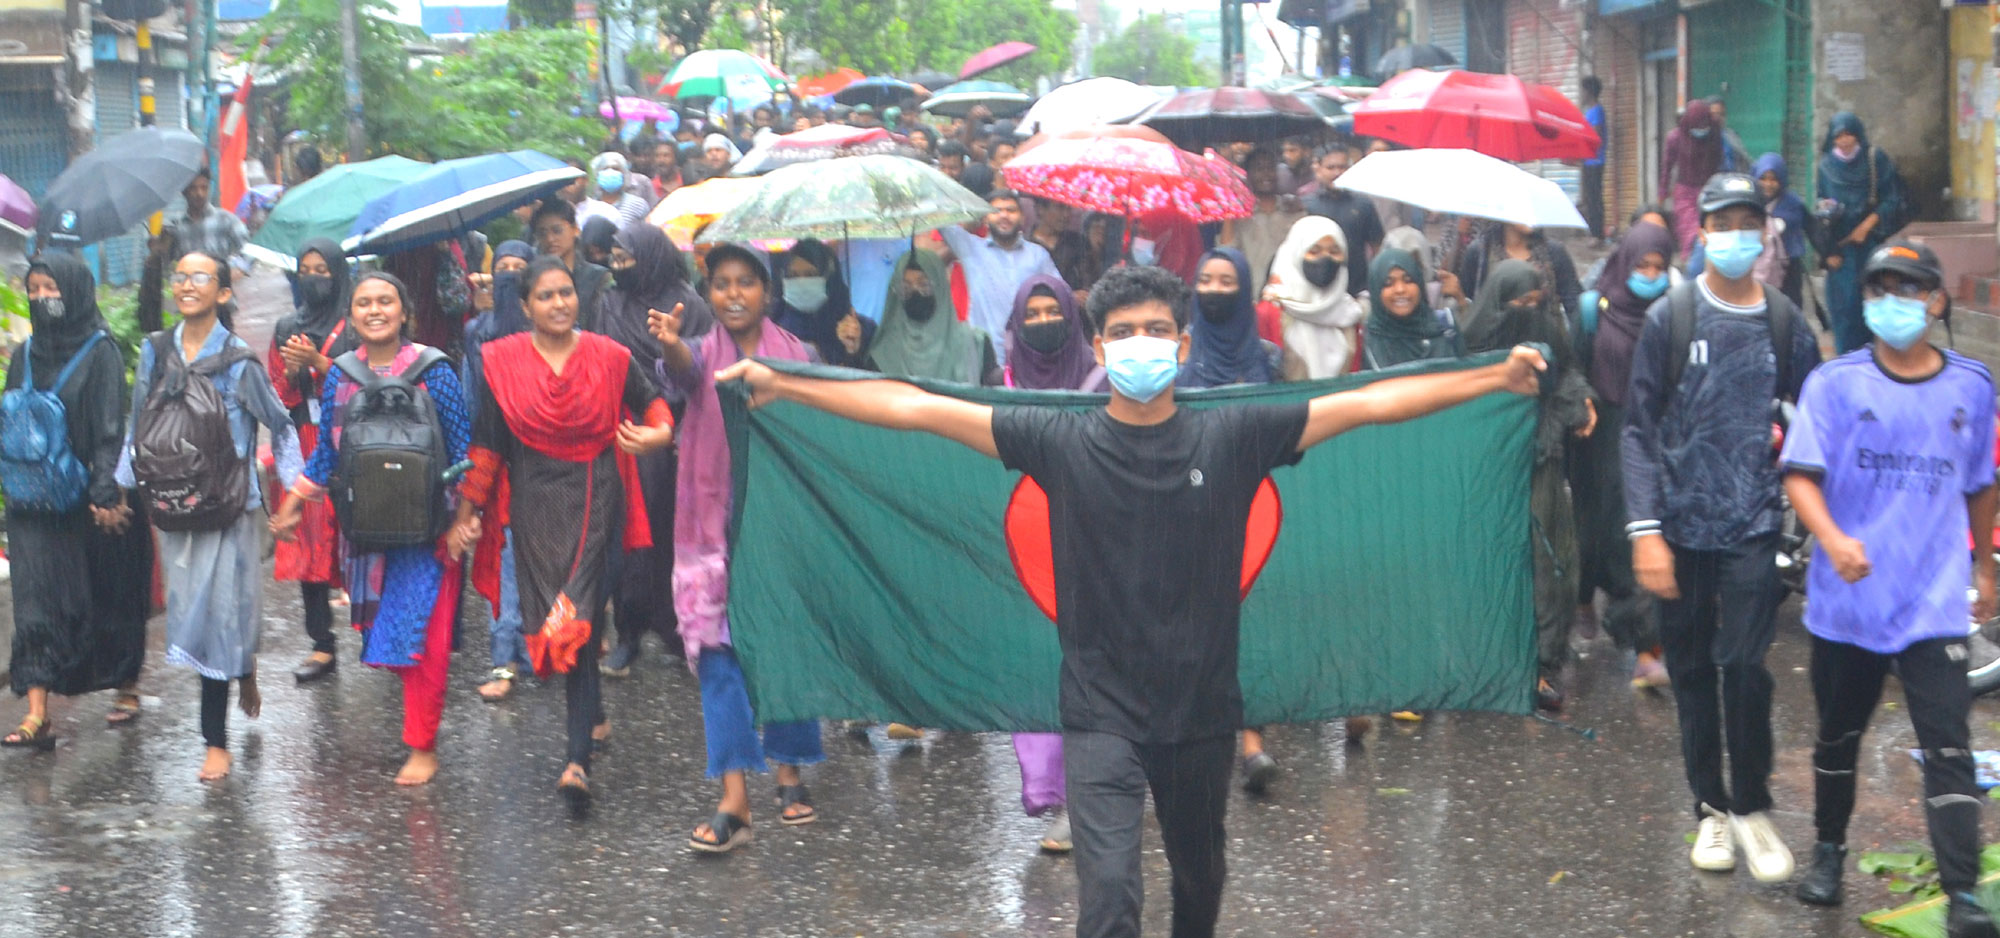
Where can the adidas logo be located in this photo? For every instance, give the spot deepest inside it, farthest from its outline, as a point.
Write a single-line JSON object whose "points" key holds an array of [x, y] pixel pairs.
{"points": [[1868, 416]]}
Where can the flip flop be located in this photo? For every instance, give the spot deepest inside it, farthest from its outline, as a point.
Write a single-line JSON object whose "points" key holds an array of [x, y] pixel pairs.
{"points": [[789, 795], [123, 710], [33, 733], [728, 832], [575, 793]]}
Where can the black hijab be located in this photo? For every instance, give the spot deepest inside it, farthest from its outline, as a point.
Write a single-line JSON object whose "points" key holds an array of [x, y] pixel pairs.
{"points": [[316, 321], [507, 316], [821, 329], [657, 279], [56, 338]]}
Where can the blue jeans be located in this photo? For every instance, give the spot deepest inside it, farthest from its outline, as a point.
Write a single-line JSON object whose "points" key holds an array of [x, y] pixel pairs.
{"points": [[509, 648], [732, 729]]}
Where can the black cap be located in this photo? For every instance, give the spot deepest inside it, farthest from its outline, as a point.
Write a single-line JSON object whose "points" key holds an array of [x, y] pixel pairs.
{"points": [[1723, 190], [1908, 258]]}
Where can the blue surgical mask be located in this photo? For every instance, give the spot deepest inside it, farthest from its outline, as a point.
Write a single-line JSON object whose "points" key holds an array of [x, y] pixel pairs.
{"points": [[1646, 288], [610, 180], [1143, 252], [1733, 252], [1899, 321], [806, 294], [1142, 366]]}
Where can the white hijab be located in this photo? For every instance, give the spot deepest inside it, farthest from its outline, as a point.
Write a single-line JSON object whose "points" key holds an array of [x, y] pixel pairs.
{"points": [[1319, 321]]}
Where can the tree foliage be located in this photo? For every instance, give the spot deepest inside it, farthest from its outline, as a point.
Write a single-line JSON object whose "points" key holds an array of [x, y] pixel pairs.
{"points": [[309, 50], [541, 14], [904, 36], [1150, 52]]}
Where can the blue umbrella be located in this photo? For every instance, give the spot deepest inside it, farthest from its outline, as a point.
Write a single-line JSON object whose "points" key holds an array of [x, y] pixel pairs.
{"points": [[454, 197], [878, 92]]}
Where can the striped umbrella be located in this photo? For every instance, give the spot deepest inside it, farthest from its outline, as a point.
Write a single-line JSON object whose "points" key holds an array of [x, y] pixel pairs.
{"points": [[744, 79]]}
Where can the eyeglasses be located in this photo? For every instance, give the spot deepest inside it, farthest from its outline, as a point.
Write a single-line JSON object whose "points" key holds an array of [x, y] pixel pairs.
{"points": [[1906, 289], [198, 278]]}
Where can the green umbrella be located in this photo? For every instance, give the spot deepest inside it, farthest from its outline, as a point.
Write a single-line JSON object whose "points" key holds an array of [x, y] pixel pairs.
{"points": [[326, 205], [843, 199]]}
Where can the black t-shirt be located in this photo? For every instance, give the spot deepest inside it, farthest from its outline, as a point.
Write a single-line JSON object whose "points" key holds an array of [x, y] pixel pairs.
{"points": [[1147, 529]]}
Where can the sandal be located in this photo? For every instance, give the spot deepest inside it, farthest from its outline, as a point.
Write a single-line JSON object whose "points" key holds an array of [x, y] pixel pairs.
{"points": [[33, 733], [123, 710], [726, 832], [495, 676], [575, 790], [789, 795]]}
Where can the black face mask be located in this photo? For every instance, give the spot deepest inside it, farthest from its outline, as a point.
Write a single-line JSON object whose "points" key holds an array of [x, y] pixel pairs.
{"points": [[317, 289], [627, 278], [45, 308], [920, 307], [1320, 272], [1216, 307], [1045, 337]]}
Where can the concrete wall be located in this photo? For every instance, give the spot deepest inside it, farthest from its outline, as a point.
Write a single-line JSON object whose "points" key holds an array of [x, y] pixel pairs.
{"points": [[1905, 98]]}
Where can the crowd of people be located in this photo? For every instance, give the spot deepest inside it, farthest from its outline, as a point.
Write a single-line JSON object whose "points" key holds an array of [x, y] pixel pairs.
{"points": [[569, 382]]}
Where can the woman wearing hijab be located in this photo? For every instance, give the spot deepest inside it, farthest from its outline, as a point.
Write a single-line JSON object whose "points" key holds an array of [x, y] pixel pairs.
{"points": [[1781, 204], [1634, 276], [594, 239], [1401, 325], [1226, 349], [1309, 284], [922, 335], [303, 347], [1862, 204], [741, 292], [81, 579], [1516, 307], [405, 600], [1048, 341], [509, 649], [562, 414], [648, 274], [1693, 153], [816, 305], [1502, 241]]}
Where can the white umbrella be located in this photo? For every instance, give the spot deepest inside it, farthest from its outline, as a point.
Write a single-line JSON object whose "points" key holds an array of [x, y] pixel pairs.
{"points": [[1088, 103], [1463, 182]]}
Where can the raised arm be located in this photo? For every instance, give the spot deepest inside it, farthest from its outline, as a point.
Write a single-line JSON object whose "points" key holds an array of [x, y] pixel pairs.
{"points": [[882, 403], [1398, 399]]}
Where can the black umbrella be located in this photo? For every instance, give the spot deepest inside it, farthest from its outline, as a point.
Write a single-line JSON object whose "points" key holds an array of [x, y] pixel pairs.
{"points": [[128, 177], [930, 78], [1403, 58], [1211, 116], [877, 93]]}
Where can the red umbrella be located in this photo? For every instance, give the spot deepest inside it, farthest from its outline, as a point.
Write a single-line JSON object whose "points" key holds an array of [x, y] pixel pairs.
{"points": [[1498, 115], [1130, 171], [1211, 116], [814, 86], [993, 57]]}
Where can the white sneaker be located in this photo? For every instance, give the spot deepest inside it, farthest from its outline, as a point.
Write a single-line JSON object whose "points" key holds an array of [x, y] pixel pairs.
{"points": [[1770, 860], [1714, 847]]}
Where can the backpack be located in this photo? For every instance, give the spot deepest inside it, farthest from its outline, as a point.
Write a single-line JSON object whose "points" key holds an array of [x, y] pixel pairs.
{"points": [[38, 469], [1681, 316], [183, 456], [389, 489]]}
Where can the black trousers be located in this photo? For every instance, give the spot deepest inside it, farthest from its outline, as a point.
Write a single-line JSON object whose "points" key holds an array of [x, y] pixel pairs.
{"points": [[1715, 637], [1593, 198], [1108, 777], [1604, 553], [318, 600], [583, 702], [215, 713], [1847, 682], [641, 605]]}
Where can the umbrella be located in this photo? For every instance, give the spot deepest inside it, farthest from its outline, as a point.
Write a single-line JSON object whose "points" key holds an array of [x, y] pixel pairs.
{"points": [[1088, 103], [1194, 119], [686, 209], [638, 109], [1463, 182], [17, 207], [819, 86], [879, 92], [453, 197], [105, 192], [1498, 115], [929, 79], [1130, 171], [744, 79], [959, 99], [993, 57], [1403, 58], [326, 205], [825, 142], [863, 197]]}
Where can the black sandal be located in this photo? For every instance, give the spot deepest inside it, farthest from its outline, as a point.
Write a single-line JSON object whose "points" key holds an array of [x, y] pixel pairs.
{"points": [[789, 795], [726, 832], [33, 733], [575, 792]]}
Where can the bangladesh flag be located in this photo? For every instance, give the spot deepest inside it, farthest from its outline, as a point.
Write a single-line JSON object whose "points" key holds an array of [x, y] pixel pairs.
{"points": [[883, 575]]}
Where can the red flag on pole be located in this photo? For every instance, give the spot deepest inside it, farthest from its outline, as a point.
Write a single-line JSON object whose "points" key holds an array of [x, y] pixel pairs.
{"points": [[234, 136]]}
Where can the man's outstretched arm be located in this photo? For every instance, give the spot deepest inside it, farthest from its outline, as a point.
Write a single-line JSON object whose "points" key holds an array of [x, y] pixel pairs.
{"points": [[1399, 399], [880, 402]]}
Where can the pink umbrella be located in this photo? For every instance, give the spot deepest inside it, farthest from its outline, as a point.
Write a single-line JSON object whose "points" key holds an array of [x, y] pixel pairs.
{"points": [[637, 109], [17, 207], [991, 58], [1130, 171], [1498, 115]]}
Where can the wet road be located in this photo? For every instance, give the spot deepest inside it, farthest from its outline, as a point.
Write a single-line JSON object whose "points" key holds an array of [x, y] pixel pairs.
{"points": [[1453, 827]]}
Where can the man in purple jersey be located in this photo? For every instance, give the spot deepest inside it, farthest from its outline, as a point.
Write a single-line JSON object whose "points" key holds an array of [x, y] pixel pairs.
{"points": [[1888, 464]]}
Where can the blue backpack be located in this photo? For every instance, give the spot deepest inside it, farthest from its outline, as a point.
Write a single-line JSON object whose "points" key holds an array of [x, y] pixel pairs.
{"points": [[37, 467]]}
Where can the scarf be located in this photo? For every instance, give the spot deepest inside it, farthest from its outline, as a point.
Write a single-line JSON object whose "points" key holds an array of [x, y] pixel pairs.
{"points": [[1787, 206], [1623, 315], [1391, 339], [1695, 159], [56, 339], [942, 347], [318, 321], [1227, 352], [1318, 321], [1846, 181], [821, 328], [1497, 325], [657, 279], [1073, 366]]}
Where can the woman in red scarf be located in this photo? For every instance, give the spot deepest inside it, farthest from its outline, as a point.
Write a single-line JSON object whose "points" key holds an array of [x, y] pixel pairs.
{"points": [[553, 425]]}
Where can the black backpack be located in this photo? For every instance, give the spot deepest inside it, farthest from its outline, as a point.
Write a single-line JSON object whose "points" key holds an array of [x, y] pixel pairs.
{"points": [[389, 490], [1681, 315], [184, 459]]}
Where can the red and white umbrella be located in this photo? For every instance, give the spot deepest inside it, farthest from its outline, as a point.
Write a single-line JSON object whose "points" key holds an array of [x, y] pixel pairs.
{"points": [[1498, 115], [1131, 171], [825, 142]]}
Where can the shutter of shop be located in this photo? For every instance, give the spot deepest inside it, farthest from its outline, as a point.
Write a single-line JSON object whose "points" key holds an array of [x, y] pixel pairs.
{"points": [[1542, 40]]}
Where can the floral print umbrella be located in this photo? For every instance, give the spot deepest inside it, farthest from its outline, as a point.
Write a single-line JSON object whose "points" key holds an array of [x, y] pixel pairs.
{"points": [[844, 199], [1133, 172]]}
